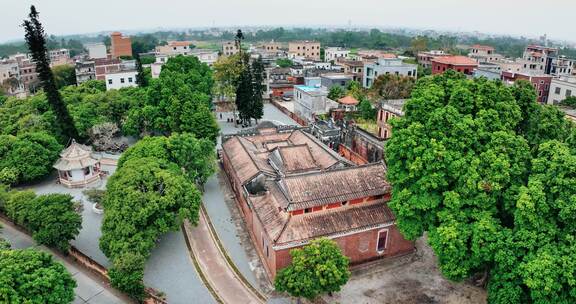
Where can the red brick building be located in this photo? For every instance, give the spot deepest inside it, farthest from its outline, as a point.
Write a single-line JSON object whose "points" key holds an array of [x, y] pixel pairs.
{"points": [[460, 64], [293, 189], [540, 82], [120, 45]]}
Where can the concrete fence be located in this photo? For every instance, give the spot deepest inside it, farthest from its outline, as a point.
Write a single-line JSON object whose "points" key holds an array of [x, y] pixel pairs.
{"points": [[295, 117]]}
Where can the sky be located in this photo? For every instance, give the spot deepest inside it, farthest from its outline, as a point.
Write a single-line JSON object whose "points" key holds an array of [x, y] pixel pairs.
{"points": [[530, 18]]}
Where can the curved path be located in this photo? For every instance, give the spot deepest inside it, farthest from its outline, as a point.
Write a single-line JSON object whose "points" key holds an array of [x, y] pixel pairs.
{"points": [[225, 283]]}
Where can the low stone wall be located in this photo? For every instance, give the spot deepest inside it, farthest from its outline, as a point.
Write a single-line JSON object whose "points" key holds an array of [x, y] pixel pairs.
{"points": [[295, 117]]}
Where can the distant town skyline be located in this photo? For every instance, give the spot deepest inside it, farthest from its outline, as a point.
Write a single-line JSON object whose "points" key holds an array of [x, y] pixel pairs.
{"points": [[67, 17]]}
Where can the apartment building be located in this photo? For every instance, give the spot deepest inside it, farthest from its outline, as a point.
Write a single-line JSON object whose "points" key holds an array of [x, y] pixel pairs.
{"points": [[173, 48], [85, 70], [356, 68], [305, 49], [334, 54], [309, 101], [230, 48], [484, 54], [59, 57], [540, 81], [121, 79], [561, 88], [384, 66], [538, 59]]}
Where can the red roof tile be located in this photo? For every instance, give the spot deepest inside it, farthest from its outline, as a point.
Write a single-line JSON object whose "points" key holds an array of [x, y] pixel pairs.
{"points": [[348, 100], [455, 60]]}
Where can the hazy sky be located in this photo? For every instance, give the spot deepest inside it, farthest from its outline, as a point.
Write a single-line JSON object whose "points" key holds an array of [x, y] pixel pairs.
{"points": [[517, 17]]}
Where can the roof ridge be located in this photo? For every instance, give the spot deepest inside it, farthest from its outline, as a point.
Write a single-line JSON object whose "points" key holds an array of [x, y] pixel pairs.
{"points": [[342, 169]]}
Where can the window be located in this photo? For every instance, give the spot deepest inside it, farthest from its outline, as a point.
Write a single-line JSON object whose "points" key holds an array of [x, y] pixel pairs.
{"points": [[121, 80], [307, 210], [174, 48], [344, 203], [557, 90], [382, 238], [541, 81], [568, 93], [109, 81], [130, 79]]}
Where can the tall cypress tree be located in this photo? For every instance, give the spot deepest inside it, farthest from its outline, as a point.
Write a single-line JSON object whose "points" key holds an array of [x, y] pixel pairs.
{"points": [[36, 40], [140, 77], [257, 104], [244, 95]]}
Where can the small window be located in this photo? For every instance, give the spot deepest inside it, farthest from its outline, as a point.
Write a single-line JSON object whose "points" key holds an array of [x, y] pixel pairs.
{"points": [[345, 203], [307, 210], [130, 79], [568, 93], [109, 81], [382, 238], [121, 80], [557, 90]]}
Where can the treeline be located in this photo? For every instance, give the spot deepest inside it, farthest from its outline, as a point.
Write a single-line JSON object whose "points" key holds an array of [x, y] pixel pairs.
{"points": [[488, 173], [178, 101]]}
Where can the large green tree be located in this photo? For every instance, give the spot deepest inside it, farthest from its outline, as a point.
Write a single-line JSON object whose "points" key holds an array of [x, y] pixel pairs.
{"points": [[467, 163], [32, 276], [245, 94], [144, 199], [51, 218], [319, 267], [28, 156], [390, 86], [36, 40], [64, 75]]}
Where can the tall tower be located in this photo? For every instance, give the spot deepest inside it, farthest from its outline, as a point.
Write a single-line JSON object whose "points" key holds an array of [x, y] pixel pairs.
{"points": [[120, 45]]}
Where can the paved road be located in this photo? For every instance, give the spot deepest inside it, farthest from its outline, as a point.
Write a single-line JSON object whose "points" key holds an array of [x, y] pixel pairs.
{"points": [[213, 264], [89, 289]]}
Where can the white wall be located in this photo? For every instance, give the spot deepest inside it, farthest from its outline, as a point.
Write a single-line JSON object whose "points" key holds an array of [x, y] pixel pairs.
{"points": [[96, 50], [560, 88], [121, 80]]}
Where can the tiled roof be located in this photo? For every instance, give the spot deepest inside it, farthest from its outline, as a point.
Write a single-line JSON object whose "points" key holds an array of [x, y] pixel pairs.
{"points": [[291, 159], [334, 221], [338, 185], [455, 60], [180, 43], [348, 100], [245, 168], [482, 47], [325, 157]]}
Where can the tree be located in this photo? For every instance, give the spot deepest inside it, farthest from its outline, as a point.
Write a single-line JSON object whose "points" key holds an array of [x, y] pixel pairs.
{"points": [[258, 76], [419, 44], [36, 40], [569, 102], [244, 95], [29, 156], [52, 218], [472, 166], [64, 75], [32, 276], [140, 77], [355, 89], [227, 71], [284, 62], [336, 92], [366, 110], [319, 267], [391, 87], [145, 198]]}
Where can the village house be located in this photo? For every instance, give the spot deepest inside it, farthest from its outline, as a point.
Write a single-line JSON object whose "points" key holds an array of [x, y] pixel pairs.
{"points": [[425, 58], [460, 64], [388, 109], [120, 46], [541, 82], [304, 49], [484, 53], [384, 66], [293, 189], [561, 88]]}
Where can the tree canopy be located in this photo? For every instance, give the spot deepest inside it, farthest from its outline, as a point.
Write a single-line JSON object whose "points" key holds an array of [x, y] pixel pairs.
{"points": [[484, 170], [319, 267], [145, 198], [32, 276], [52, 219]]}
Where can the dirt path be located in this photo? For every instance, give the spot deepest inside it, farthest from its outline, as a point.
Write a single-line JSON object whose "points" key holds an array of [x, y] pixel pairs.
{"points": [[224, 282], [412, 279]]}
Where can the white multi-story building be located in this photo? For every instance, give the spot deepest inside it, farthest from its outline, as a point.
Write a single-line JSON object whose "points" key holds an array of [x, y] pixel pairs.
{"points": [[10, 77], [121, 79], [229, 48], [561, 88], [96, 50], [333, 54], [384, 66], [309, 101], [85, 70], [484, 54]]}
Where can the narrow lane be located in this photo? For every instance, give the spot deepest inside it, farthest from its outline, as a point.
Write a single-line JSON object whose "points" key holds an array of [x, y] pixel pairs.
{"points": [[229, 288]]}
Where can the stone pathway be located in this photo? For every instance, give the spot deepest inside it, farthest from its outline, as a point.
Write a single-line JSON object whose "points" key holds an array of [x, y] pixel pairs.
{"points": [[224, 282], [89, 290]]}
